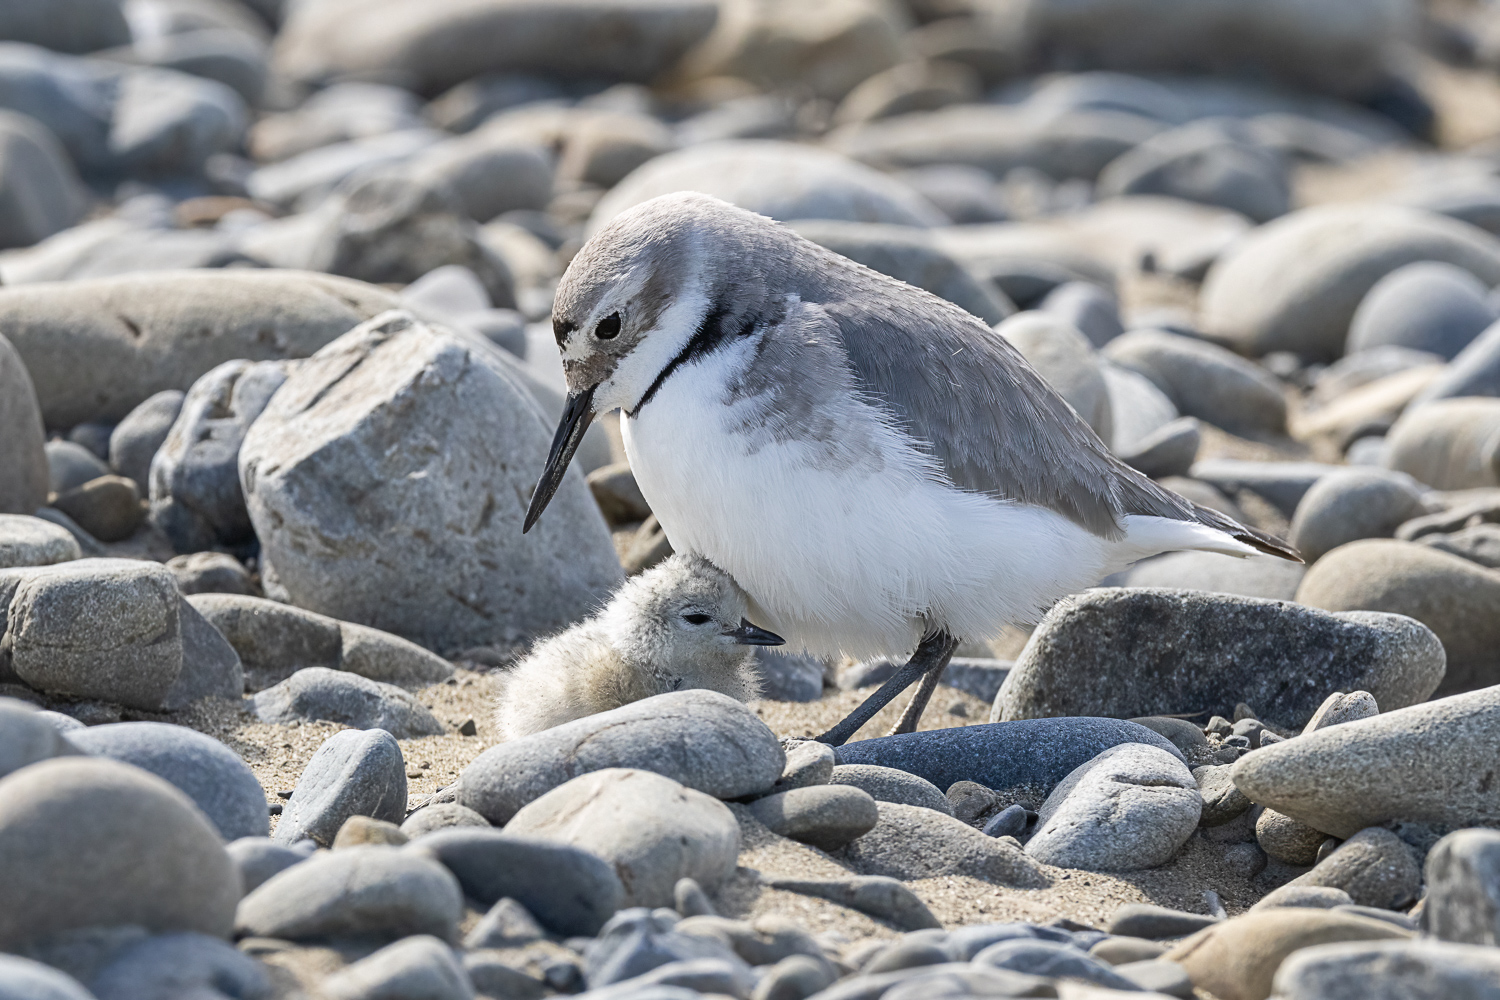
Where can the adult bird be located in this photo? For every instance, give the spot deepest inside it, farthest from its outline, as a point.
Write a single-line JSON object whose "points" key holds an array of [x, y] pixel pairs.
{"points": [[877, 468]]}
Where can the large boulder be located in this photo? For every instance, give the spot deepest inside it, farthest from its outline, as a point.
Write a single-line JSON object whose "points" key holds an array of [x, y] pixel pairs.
{"points": [[1295, 283], [1133, 652], [440, 442], [23, 439], [428, 48], [148, 332]]}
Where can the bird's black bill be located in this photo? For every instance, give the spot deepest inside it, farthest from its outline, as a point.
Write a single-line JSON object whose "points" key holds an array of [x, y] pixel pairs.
{"points": [[577, 414], [754, 635]]}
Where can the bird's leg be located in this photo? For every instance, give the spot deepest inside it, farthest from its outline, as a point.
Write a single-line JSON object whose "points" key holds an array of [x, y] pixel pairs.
{"points": [[914, 708], [932, 655]]}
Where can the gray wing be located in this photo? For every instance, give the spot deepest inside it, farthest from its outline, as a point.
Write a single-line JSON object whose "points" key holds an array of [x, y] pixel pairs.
{"points": [[993, 422]]}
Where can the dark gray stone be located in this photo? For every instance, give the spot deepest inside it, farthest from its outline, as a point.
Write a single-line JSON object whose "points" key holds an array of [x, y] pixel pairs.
{"points": [[1181, 733], [420, 966], [259, 858], [637, 940], [441, 816], [1143, 920], [1008, 822], [890, 784], [1204, 380], [1474, 371], [702, 739], [571, 891], [879, 896], [1375, 867], [1091, 309], [1052, 959], [71, 465], [1213, 162], [1463, 888], [948, 847], [1352, 504], [1429, 306], [979, 676], [370, 892], [210, 666], [508, 924], [1168, 451], [273, 640], [972, 802], [1283, 484], [172, 965], [1479, 544], [208, 772], [964, 943], [1390, 970], [825, 816], [1022, 760], [788, 678], [1222, 800], [135, 440], [339, 696], [493, 976], [210, 573], [1170, 652], [354, 773]]}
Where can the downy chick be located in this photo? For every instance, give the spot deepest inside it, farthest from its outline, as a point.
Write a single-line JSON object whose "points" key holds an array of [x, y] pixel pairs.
{"points": [[679, 625]]}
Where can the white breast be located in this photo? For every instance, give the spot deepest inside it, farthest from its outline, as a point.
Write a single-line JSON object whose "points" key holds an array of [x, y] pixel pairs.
{"points": [[858, 559]]}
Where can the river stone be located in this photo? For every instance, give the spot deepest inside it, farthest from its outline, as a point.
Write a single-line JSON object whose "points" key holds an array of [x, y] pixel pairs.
{"points": [[144, 333], [1282, 484], [1449, 444], [1426, 306], [1022, 760], [273, 640], [40, 193], [947, 847], [702, 739], [1295, 283], [825, 816], [909, 254], [429, 49], [1375, 867], [23, 443], [1065, 358], [30, 541], [1129, 808], [108, 508], [1389, 970], [1288, 840], [1463, 888], [1420, 764], [23, 979], [1213, 162], [880, 896], [783, 180], [1204, 380], [569, 889], [887, 784], [419, 966], [651, 829], [180, 965], [1349, 505], [1474, 371], [27, 736], [373, 892], [1450, 595], [96, 628], [212, 775], [1171, 651], [259, 858], [317, 693], [1236, 959], [1259, 575], [90, 842], [135, 439], [1339, 708], [354, 773], [210, 573], [365, 416]]}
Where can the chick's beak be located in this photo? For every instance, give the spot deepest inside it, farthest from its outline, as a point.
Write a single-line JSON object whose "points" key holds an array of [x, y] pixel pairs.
{"points": [[754, 635], [576, 416]]}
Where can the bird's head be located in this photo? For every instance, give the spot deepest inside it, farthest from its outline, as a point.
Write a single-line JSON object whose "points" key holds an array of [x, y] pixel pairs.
{"points": [[634, 298]]}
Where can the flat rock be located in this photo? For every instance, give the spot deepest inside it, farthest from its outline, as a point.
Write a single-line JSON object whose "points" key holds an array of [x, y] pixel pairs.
{"points": [[1295, 283], [337, 696], [1131, 807], [570, 890], [1236, 959], [948, 847], [653, 830], [825, 816], [880, 896], [701, 739], [30, 541], [1375, 867], [1409, 970], [1463, 888], [90, 842], [1417, 764], [208, 772], [354, 773], [1143, 920], [1022, 760], [1450, 595], [145, 333], [370, 892], [1171, 651], [379, 397], [889, 784], [96, 628]]}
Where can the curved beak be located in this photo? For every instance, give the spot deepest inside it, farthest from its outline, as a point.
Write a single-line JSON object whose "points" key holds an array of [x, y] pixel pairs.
{"points": [[754, 635], [576, 416]]}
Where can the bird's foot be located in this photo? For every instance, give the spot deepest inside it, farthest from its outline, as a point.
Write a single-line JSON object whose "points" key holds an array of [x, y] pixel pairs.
{"points": [[932, 655]]}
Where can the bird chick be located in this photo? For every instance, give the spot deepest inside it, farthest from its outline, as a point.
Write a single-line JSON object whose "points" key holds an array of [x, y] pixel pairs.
{"points": [[679, 625]]}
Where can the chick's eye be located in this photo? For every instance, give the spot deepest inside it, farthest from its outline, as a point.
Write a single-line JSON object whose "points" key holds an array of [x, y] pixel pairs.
{"points": [[696, 619], [609, 327]]}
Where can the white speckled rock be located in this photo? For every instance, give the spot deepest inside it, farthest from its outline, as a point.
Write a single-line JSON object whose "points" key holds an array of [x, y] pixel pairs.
{"points": [[30, 541], [1129, 808]]}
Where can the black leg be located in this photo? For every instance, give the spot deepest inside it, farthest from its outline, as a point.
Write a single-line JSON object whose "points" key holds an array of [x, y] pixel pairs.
{"points": [[932, 655], [918, 704]]}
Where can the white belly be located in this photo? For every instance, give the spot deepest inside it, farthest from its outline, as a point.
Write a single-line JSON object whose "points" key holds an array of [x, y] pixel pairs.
{"points": [[859, 559]]}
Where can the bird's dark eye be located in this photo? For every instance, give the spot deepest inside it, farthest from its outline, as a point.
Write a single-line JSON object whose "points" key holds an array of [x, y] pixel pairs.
{"points": [[696, 619], [609, 327]]}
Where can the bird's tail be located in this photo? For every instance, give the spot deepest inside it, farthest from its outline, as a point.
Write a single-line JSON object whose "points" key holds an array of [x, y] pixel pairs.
{"points": [[1256, 539]]}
